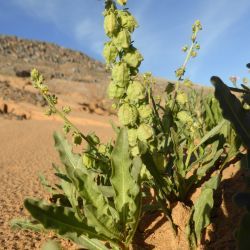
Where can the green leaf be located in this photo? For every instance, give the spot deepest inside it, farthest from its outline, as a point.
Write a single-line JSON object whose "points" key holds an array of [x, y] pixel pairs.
{"points": [[201, 172], [202, 209], [71, 161], [200, 215], [125, 186], [60, 219], [51, 245], [233, 110], [68, 158], [86, 242], [210, 134], [26, 225], [98, 212], [213, 183]]}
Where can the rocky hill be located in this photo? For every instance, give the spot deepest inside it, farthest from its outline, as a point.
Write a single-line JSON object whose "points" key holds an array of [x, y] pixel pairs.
{"points": [[18, 56]]}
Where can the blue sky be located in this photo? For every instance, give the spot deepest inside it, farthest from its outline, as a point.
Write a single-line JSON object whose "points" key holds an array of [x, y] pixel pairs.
{"points": [[165, 26]]}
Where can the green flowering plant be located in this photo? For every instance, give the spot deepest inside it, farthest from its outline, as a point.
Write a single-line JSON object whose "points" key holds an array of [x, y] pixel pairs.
{"points": [[173, 144]]}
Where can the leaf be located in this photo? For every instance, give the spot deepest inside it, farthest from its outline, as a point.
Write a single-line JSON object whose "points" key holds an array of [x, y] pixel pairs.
{"points": [[125, 186], [46, 184], [210, 134], [200, 216], [160, 183], [71, 161], [60, 219], [98, 212], [68, 158], [86, 242], [233, 110], [26, 225], [201, 172], [213, 183], [202, 209], [51, 245], [244, 232]]}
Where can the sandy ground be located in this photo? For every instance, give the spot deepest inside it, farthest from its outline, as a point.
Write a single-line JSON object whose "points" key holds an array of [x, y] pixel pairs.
{"points": [[26, 149]]}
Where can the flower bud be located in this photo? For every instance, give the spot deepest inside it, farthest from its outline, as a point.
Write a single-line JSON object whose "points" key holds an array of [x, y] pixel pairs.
{"points": [[66, 128], [197, 46], [145, 132], [66, 109], [110, 24], [120, 74], [136, 91], [122, 2], [122, 40], [193, 53], [184, 48], [115, 92], [127, 114], [180, 72], [198, 25], [110, 52], [133, 58]]}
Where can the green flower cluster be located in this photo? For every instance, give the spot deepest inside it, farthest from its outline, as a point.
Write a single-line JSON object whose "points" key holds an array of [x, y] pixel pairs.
{"points": [[129, 92]]}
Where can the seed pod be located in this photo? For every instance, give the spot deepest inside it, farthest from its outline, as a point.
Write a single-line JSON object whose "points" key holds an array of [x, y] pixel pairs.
{"points": [[115, 92], [133, 58], [135, 151], [184, 117], [122, 2], [120, 74], [136, 91], [145, 132], [122, 40], [132, 137], [87, 161], [182, 98], [145, 112], [127, 20], [110, 52], [127, 114], [187, 82], [110, 24]]}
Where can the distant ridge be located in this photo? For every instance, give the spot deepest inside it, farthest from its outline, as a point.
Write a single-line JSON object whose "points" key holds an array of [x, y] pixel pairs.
{"points": [[18, 56]]}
